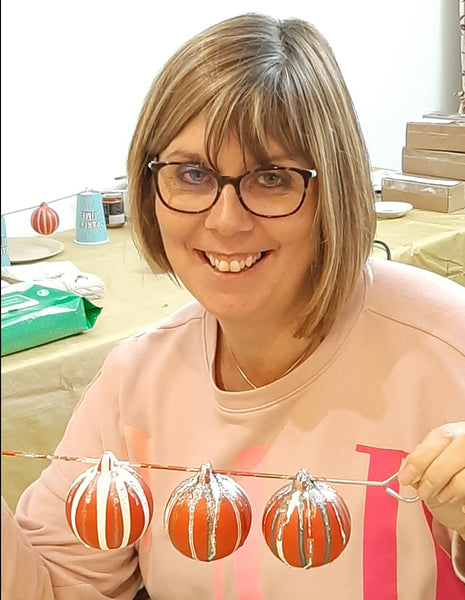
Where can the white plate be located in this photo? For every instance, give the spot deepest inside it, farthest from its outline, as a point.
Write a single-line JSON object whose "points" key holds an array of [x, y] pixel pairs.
{"points": [[28, 249], [392, 210]]}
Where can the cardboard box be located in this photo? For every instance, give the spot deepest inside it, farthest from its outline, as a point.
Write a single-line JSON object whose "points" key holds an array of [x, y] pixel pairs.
{"points": [[441, 195], [437, 114], [433, 163], [436, 134]]}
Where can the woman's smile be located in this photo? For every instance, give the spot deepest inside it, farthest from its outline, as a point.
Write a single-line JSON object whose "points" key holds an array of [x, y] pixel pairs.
{"points": [[226, 264]]}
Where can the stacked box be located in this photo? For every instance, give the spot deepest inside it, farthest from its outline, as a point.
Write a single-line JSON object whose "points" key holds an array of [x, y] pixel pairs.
{"points": [[434, 163], [435, 114], [442, 195], [433, 166], [446, 136], [436, 148]]}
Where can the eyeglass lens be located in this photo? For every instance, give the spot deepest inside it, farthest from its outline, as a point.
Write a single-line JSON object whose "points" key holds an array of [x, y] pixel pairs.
{"points": [[191, 188]]}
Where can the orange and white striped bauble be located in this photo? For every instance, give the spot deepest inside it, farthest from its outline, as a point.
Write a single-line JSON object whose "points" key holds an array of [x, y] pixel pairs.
{"points": [[45, 220], [109, 505], [208, 516], [306, 523]]}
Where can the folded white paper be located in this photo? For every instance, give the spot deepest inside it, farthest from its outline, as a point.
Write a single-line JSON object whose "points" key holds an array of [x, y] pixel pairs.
{"points": [[61, 275]]}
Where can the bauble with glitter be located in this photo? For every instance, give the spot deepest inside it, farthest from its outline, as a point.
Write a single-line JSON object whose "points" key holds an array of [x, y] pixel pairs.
{"points": [[306, 523], [109, 506], [208, 516]]}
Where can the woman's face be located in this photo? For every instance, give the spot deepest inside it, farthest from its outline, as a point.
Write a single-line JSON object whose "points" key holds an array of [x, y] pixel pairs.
{"points": [[241, 267]]}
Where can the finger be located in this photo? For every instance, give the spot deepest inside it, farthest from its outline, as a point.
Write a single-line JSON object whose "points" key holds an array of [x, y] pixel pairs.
{"points": [[422, 456], [434, 444], [443, 469], [454, 490]]}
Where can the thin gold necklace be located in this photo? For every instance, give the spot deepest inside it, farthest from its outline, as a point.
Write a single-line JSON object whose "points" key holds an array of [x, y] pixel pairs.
{"points": [[246, 379]]}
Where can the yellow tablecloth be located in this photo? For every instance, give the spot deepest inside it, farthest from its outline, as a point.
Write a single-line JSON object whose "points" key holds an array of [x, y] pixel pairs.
{"points": [[426, 239], [41, 386]]}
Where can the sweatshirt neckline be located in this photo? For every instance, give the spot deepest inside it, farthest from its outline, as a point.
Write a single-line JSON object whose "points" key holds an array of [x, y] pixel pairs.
{"points": [[302, 376]]}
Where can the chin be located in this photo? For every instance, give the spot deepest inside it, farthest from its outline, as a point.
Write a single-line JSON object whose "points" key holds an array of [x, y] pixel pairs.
{"points": [[228, 309]]}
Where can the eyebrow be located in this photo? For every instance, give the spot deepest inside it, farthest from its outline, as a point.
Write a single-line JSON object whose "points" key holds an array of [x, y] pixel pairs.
{"points": [[198, 159], [184, 156]]}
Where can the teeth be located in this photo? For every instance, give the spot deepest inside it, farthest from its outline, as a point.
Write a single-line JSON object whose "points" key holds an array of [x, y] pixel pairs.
{"points": [[235, 266]]}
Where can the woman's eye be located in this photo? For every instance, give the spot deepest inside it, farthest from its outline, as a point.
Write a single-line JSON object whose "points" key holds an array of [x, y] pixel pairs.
{"points": [[193, 175], [271, 179]]}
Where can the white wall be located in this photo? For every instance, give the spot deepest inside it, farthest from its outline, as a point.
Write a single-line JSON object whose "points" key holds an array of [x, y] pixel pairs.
{"points": [[74, 75]]}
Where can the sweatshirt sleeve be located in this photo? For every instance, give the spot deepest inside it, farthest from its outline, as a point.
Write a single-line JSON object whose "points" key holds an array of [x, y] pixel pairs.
{"points": [[38, 541], [18, 558], [453, 545], [458, 556]]}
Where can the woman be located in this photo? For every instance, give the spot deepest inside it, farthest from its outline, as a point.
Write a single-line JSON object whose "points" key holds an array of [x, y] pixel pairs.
{"points": [[250, 184]]}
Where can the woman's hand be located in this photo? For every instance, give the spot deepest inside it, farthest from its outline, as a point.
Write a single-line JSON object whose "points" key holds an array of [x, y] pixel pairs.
{"points": [[436, 468]]}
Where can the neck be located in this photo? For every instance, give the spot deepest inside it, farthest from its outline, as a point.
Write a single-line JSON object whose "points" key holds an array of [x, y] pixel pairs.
{"points": [[246, 366]]}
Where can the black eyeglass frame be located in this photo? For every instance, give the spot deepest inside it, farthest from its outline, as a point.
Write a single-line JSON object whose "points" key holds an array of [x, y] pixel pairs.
{"points": [[222, 180]]}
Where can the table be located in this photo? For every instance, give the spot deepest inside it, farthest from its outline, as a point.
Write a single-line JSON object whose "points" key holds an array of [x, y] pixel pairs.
{"points": [[430, 240], [42, 385]]}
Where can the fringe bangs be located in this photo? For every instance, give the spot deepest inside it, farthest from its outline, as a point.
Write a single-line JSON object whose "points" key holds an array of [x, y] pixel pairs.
{"points": [[257, 117]]}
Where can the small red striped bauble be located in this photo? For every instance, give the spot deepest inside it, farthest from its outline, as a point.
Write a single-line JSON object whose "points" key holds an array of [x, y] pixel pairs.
{"points": [[306, 523], [44, 219], [109, 506], [208, 516]]}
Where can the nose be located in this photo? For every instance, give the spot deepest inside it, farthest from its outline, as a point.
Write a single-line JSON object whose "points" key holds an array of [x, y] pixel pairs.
{"points": [[227, 215]]}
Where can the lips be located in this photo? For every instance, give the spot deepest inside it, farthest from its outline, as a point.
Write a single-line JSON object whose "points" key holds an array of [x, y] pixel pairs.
{"points": [[235, 265]]}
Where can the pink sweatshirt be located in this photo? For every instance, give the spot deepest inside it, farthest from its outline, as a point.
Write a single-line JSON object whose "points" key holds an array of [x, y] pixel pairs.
{"points": [[392, 369]]}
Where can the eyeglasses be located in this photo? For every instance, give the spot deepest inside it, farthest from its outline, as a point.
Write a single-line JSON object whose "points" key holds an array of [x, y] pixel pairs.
{"points": [[189, 188]]}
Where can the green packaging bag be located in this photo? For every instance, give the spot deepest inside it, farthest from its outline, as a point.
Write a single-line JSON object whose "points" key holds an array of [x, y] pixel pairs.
{"points": [[33, 315]]}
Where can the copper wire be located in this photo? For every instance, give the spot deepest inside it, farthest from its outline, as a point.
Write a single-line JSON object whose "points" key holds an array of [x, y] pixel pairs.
{"points": [[229, 472]]}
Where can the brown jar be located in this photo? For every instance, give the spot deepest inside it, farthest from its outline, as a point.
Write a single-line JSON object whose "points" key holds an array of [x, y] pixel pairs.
{"points": [[113, 208]]}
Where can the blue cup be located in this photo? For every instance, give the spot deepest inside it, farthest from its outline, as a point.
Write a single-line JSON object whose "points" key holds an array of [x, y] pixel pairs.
{"points": [[5, 255], [90, 219]]}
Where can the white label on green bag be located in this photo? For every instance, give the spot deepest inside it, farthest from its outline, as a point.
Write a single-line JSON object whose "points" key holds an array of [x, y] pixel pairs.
{"points": [[16, 302]]}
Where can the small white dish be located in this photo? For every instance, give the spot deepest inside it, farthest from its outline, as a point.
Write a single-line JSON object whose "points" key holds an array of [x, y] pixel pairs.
{"points": [[29, 249], [392, 210]]}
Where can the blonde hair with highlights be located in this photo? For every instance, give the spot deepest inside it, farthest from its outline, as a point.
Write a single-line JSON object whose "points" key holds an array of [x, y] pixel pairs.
{"points": [[266, 79]]}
